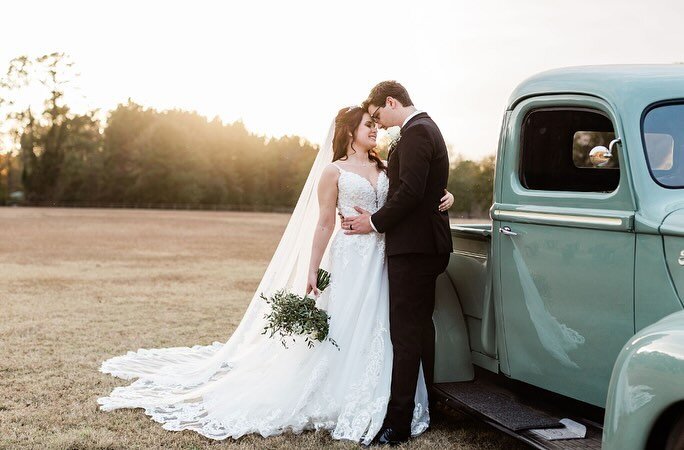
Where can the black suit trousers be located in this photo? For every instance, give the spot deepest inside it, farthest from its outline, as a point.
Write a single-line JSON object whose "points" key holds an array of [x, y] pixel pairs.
{"points": [[412, 280]]}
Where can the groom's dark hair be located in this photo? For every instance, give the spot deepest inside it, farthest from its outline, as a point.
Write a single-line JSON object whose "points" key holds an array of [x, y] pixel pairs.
{"points": [[378, 95]]}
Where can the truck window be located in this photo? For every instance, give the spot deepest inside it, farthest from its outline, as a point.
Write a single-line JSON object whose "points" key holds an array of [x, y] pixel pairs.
{"points": [[663, 134], [563, 150]]}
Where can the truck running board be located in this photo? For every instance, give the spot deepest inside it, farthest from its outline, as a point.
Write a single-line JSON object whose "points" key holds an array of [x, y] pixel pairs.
{"points": [[516, 417]]}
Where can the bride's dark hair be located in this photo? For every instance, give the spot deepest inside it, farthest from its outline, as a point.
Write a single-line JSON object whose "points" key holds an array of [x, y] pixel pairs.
{"points": [[347, 122]]}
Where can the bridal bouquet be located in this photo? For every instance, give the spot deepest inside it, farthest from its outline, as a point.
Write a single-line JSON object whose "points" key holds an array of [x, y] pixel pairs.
{"points": [[293, 315]]}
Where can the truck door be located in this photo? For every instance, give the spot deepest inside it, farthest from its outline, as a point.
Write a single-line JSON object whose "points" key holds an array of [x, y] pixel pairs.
{"points": [[564, 242]]}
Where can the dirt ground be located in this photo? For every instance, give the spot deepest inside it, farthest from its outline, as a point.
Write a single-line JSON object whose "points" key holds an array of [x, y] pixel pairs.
{"points": [[83, 285]]}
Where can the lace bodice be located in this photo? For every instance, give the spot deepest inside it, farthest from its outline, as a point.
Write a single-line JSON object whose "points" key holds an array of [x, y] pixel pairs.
{"points": [[356, 190]]}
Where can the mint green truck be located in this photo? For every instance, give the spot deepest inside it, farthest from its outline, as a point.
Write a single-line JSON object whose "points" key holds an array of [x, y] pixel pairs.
{"points": [[568, 305]]}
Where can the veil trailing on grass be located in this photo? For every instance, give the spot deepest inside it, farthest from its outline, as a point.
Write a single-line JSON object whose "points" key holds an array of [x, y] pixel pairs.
{"points": [[193, 366]]}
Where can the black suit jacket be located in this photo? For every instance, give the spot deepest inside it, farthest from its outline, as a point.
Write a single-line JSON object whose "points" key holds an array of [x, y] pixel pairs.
{"points": [[418, 170]]}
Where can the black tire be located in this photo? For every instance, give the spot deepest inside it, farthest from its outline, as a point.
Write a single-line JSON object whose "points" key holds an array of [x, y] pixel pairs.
{"points": [[675, 437]]}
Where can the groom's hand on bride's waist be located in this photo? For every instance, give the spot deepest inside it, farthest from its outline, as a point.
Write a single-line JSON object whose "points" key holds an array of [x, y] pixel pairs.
{"points": [[360, 224]]}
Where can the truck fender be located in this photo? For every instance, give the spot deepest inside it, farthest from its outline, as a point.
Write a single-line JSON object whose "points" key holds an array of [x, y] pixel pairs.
{"points": [[452, 346], [646, 386]]}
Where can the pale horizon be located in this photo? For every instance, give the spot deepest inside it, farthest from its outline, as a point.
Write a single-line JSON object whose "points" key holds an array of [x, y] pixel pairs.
{"points": [[285, 69]]}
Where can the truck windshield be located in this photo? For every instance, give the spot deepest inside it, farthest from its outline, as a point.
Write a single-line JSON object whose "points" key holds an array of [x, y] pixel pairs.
{"points": [[663, 134]]}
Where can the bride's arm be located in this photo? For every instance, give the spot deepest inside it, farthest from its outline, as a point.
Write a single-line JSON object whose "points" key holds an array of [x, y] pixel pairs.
{"points": [[327, 202]]}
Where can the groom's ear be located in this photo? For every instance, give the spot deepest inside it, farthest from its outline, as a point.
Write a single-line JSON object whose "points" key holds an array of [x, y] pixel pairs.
{"points": [[393, 103]]}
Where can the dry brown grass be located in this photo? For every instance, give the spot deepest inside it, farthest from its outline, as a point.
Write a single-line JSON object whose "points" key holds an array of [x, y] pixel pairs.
{"points": [[82, 285]]}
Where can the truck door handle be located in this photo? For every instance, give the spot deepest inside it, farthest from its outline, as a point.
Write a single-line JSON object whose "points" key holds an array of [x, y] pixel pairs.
{"points": [[507, 231]]}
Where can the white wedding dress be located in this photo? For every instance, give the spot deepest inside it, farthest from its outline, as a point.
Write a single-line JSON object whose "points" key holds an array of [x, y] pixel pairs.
{"points": [[252, 384]]}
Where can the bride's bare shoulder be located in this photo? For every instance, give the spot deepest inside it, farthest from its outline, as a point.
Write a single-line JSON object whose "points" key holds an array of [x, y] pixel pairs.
{"points": [[327, 185], [330, 173], [331, 169]]}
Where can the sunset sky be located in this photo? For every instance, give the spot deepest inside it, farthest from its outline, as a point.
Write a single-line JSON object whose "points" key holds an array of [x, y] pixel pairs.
{"points": [[287, 67]]}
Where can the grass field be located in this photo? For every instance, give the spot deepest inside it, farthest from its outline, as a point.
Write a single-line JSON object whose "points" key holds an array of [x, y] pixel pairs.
{"points": [[82, 285]]}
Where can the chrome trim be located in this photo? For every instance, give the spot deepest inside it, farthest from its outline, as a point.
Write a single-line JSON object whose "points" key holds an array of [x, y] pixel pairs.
{"points": [[469, 254], [609, 154], [587, 220]]}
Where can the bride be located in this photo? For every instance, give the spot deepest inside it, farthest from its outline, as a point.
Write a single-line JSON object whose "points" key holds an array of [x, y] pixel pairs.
{"points": [[251, 383]]}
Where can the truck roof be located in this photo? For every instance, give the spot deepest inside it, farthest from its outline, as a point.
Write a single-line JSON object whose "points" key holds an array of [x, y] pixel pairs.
{"points": [[614, 83]]}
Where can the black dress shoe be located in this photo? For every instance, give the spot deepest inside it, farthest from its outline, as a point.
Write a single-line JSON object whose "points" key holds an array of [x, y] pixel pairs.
{"points": [[387, 436]]}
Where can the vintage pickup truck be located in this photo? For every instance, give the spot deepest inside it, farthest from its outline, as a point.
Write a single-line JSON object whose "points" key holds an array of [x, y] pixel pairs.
{"points": [[569, 303]]}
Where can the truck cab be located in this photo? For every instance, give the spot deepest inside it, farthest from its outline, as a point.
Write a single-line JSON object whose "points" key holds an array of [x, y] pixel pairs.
{"points": [[584, 254]]}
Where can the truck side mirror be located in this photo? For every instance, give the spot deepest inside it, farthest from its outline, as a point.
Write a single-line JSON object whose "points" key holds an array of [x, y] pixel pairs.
{"points": [[600, 155]]}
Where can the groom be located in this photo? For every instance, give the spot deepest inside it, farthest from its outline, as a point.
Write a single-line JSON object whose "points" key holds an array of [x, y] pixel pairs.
{"points": [[418, 243]]}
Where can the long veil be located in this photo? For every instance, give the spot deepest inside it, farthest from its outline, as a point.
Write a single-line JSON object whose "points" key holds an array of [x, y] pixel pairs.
{"points": [[188, 367]]}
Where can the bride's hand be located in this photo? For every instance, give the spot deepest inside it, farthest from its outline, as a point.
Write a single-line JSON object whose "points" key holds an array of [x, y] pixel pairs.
{"points": [[447, 201], [311, 283]]}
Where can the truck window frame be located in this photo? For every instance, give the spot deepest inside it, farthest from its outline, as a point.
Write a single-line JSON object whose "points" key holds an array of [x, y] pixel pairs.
{"points": [[511, 195]]}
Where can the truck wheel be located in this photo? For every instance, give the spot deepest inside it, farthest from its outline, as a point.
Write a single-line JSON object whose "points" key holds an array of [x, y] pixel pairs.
{"points": [[675, 438]]}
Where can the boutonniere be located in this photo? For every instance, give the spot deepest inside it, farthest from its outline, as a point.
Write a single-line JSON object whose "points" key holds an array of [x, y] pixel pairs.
{"points": [[394, 136]]}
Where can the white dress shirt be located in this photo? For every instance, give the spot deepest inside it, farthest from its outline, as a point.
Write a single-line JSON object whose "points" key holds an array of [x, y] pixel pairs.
{"points": [[415, 113]]}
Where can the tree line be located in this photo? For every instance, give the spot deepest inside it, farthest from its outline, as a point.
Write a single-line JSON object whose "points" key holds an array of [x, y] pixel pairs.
{"points": [[139, 155]]}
